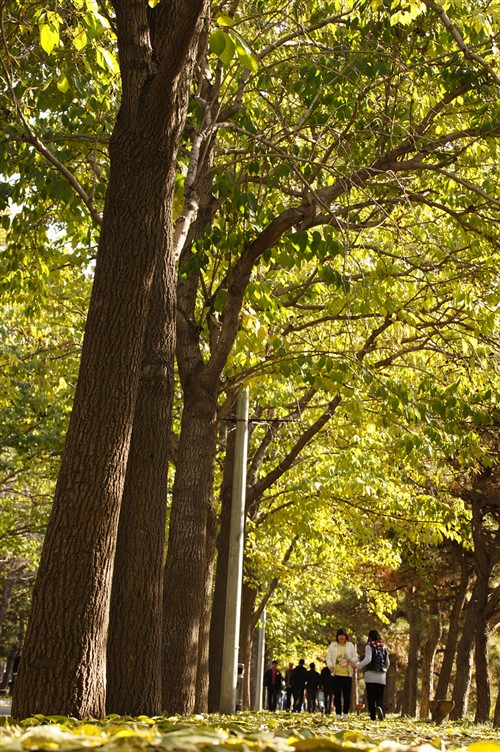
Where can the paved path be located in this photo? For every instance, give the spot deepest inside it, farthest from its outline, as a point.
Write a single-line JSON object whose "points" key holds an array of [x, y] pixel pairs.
{"points": [[4, 708]]}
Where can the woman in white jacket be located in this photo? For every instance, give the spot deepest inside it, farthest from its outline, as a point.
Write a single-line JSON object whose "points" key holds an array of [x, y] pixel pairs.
{"points": [[338, 659]]}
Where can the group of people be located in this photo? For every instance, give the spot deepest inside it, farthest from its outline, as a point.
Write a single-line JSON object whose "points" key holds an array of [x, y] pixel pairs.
{"points": [[299, 687]]}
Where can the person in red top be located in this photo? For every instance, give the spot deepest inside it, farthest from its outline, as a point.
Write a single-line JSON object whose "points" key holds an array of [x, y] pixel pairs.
{"points": [[272, 682]]}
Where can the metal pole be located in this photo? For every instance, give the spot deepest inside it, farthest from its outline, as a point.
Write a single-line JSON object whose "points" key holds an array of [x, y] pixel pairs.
{"points": [[261, 646], [235, 561]]}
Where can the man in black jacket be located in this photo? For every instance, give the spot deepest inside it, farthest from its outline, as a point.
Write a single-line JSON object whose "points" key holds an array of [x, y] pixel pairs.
{"points": [[272, 682], [299, 678]]}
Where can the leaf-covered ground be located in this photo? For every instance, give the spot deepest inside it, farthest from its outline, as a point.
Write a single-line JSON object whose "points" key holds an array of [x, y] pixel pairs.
{"points": [[244, 732]]}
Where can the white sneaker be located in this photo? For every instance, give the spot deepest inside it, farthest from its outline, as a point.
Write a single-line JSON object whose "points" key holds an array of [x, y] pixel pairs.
{"points": [[345, 716], [338, 717]]}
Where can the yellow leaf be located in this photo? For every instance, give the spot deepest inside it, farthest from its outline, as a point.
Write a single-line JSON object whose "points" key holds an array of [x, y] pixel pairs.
{"points": [[63, 83], [48, 38], [485, 746], [80, 39]]}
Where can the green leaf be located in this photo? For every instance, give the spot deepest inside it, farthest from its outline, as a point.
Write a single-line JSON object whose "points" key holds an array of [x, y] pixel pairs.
{"points": [[80, 39]]}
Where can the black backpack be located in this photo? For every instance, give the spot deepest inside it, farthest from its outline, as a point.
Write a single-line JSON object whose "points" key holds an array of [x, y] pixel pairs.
{"points": [[379, 659]]}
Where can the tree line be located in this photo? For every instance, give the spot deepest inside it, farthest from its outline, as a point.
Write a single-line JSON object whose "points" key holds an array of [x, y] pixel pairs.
{"points": [[299, 198]]}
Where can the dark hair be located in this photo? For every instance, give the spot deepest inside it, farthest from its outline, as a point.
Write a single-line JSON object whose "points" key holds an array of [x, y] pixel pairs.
{"points": [[301, 662], [311, 665], [342, 631], [374, 636]]}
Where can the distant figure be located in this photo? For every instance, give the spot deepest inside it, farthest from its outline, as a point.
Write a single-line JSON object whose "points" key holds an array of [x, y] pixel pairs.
{"points": [[288, 686], [15, 669], [327, 684], [272, 681], [340, 658], [313, 681], [375, 665], [299, 678]]}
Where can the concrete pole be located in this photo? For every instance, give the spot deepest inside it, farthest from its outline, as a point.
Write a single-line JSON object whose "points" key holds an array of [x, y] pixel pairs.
{"points": [[261, 647], [235, 561]]}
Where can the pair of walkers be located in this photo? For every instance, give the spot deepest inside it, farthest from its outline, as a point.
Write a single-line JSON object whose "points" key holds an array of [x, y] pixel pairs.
{"points": [[342, 659]]}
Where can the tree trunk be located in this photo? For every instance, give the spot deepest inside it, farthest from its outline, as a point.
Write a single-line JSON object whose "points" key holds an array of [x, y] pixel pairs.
{"points": [[134, 634], [409, 700], [219, 596], [247, 629], [483, 689], [203, 673], [428, 654], [63, 666], [465, 649], [186, 568], [453, 629]]}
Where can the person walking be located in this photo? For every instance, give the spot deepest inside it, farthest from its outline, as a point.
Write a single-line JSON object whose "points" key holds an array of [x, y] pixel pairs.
{"points": [[288, 686], [340, 658], [299, 678], [313, 681], [375, 665], [327, 684], [272, 682]]}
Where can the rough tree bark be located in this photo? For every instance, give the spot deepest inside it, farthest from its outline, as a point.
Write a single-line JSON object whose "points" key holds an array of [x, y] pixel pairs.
{"points": [[134, 635], [63, 666], [432, 637]]}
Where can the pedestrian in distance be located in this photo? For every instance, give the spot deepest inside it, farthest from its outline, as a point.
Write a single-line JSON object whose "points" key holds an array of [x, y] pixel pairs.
{"points": [[273, 681], [327, 684], [288, 686], [375, 665], [299, 678], [340, 658], [313, 682]]}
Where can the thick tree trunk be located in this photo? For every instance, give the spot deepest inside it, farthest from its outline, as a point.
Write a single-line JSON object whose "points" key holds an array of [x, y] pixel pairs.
{"points": [[443, 682], [186, 569], [63, 666], [429, 647], [134, 634], [410, 691]]}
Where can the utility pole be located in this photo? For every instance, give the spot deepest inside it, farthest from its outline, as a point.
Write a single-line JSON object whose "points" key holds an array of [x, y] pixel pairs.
{"points": [[235, 561]]}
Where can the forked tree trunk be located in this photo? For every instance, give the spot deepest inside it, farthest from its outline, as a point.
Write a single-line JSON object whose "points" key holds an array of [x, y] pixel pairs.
{"points": [[134, 635], [443, 682], [63, 666]]}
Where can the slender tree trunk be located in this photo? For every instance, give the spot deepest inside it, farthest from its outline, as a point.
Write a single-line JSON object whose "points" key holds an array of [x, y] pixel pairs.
{"points": [[203, 673], [247, 629], [428, 654], [465, 650], [134, 634], [409, 700], [186, 569], [453, 630], [483, 688], [63, 666], [219, 596]]}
